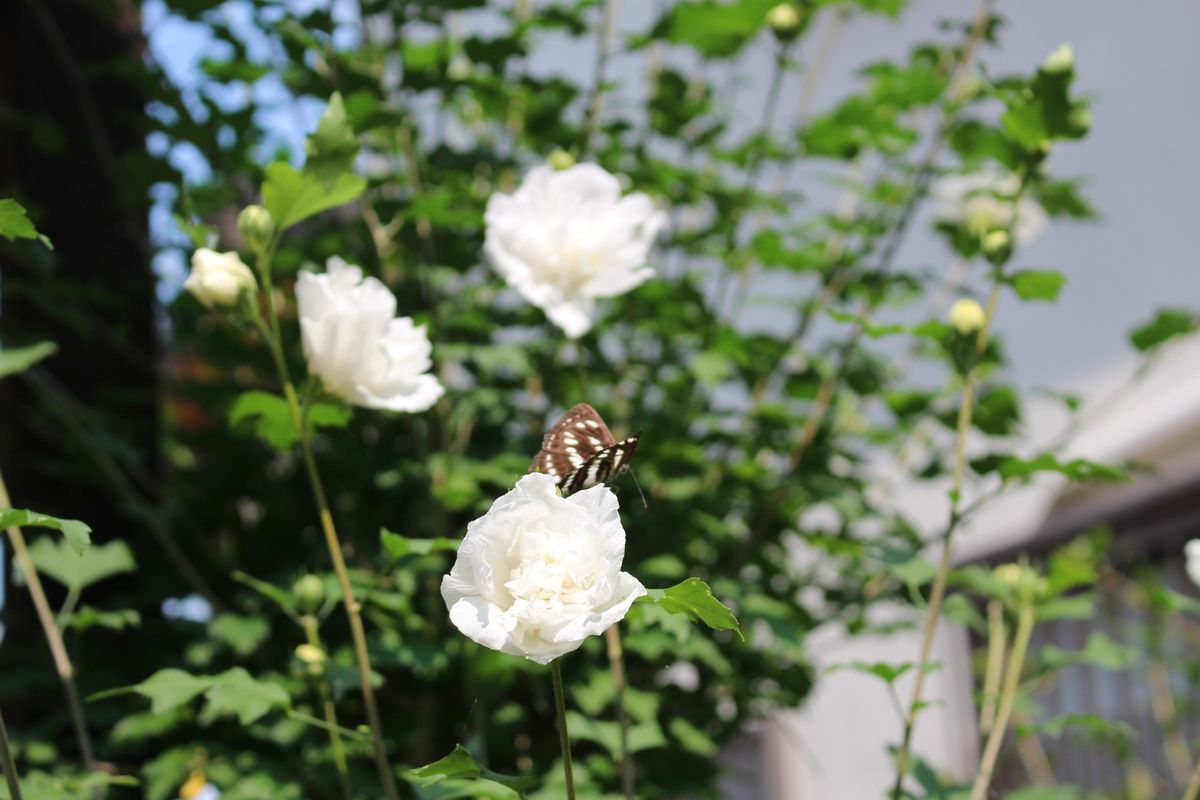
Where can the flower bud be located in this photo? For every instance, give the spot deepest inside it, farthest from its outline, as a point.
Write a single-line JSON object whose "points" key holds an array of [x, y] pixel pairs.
{"points": [[312, 657], [967, 316], [218, 280], [997, 245], [784, 19], [309, 592], [1060, 61], [1008, 574], [257, 227], [560, 159]]}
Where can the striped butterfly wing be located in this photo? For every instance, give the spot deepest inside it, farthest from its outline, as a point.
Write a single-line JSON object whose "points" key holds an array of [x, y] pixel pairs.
{"points": [[580, 451]]}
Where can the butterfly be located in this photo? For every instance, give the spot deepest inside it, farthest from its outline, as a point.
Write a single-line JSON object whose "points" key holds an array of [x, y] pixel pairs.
{"points": [[580, 451]]}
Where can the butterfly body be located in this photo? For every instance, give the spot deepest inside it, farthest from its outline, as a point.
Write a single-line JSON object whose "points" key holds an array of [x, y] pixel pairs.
{"points": [[580, 451]]}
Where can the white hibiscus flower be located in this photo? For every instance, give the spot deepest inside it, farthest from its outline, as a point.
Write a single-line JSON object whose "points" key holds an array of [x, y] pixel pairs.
{"points": [[566, 238], [357, 346], [539, 573]]}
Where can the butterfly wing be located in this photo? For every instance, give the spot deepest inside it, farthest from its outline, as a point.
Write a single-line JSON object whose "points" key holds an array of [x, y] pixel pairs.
{"points": [[571, 442], [602, 467]]}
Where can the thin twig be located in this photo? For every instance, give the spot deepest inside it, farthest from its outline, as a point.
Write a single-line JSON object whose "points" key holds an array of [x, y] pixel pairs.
{"points": [[1008, 698], [591, 122], [564, 738], [8, 763], [58, 650], [616, 662]]}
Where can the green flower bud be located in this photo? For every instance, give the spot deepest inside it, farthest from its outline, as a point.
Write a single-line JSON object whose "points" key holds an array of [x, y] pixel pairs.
{"points": [[309, 592], [1060, 61], [257, 227], [313, 659], [967, 316], [560, 159], [784, 19], [997, 246]]}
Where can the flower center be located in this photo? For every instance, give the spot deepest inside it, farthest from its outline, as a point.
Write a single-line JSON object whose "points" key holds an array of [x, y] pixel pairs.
{"points": [[551, 569]]}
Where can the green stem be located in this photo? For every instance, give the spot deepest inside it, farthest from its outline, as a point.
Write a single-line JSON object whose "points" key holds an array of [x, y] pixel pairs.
{"points": [[1193, 788], [58, 650], [1008, 698], [616, 662], [309, 623], [332, 542], [997, 635], [564, 740], [8, 764], [938, 591]]}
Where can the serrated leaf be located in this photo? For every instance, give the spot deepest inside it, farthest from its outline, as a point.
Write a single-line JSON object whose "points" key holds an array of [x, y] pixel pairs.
{"points": [[15, 223], [461, 765], [292, 195], [77, 534], [270, 418], [694, 599], [171, 688], [236, 692], [59, 560], [398, 546], [331, 149], [1037, 284], [242, 634], [19, 359]]}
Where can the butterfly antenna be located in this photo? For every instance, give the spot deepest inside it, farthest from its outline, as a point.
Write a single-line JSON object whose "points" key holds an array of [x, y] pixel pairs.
{"points": [[645, 505]]}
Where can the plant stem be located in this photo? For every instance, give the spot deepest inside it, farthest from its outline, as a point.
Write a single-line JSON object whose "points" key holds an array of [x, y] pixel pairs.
{"points": [[591, 121], [938, 592], [564, 740], [616, 662], [332, 542], [58, 650], [995, 666], [1008, 698], [8, 764], [1193, 788], [309, 623]]}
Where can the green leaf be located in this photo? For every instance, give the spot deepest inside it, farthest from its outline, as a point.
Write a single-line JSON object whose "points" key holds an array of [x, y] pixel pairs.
{"points": [[236, 693], [888, 673], [1037, 284], [332, 147], [19, 359], [293, 196], [171, 688], [270, 419], [92, 617], [643, 736], [77, 534], [461, 765], [1077, 469], [1099, 651], [908, 566], [242, 634], [716, 29], [59, 560], [15, 224], [398, 546], [1045, 793], [693, 598], [1166, 325]]}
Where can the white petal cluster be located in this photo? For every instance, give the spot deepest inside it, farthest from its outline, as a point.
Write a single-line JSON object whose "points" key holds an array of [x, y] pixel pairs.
{"points": [[1191, 552], [539, 573], [219, 279], [566, 238], [357, 346], [982, 202]]}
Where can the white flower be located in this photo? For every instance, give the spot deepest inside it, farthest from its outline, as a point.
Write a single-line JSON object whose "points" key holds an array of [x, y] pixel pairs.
{"points": [[1192, 551], [357, 346], [218, 279], [982, 202], [539, 573], [568, 237]]}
